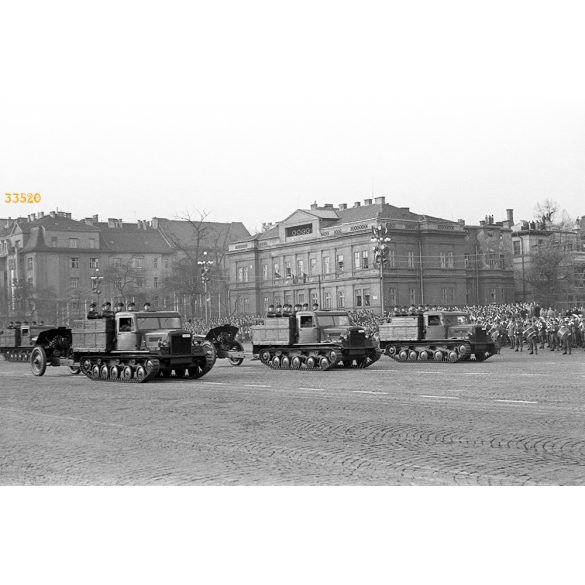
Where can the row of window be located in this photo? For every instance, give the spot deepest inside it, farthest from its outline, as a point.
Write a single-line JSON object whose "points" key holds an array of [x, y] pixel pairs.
{"points": [[136, 262], [361, 261], [362, 297], [74, 282], [494, 261]]}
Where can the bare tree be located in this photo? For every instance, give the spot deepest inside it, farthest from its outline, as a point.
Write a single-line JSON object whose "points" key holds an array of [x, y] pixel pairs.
{"points": [[185, 278], [121, 278], [550, 216], [545, 212], [549, 274]]}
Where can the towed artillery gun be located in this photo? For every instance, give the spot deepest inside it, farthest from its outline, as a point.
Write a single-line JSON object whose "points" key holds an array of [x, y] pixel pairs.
{"points": [[307, 340], [226, 345], [132, 347], [443, 336]]}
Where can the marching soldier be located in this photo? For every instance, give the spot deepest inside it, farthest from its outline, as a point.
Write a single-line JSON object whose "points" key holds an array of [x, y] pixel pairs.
{"points": [[564, 335], [518, 335], [532, 339], [119, 307], [553, 339], [132, 307], [146, 307]]}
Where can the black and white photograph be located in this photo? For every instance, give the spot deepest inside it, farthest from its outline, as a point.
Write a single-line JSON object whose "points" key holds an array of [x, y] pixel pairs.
{"points": [[294, 274]]}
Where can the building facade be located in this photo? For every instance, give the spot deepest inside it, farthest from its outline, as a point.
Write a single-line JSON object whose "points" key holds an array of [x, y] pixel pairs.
{"points": [[549, 264], [325, 255], [52, 266]]}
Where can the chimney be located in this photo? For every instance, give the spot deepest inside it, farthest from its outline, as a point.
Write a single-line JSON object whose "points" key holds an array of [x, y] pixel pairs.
{"points": [[342, 206], [139, 224], [88, 220], [41, 214], [328, 206], [111, 222], [357, 204], [53, 214], [380, 200], [510, 214], [482, 222], [67, 215], [367, 202], [155, 223], [95, 218], [461, 221], [314, 205]]}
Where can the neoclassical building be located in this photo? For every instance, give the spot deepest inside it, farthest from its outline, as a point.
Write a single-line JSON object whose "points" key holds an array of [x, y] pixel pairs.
{"points": [[325, 255]]}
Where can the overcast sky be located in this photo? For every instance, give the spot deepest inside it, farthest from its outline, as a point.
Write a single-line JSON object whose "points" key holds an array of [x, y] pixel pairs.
{"points": [[249, 110]]}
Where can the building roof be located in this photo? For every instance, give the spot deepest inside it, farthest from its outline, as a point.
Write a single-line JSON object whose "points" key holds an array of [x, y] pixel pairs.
{"points": [[57, 223], [36, 240], [183, 234], [133, 238], [333, 217]]}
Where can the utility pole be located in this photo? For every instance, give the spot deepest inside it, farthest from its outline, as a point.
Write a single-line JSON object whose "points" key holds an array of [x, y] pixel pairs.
{"points": [[205, 269], [381, 239]]}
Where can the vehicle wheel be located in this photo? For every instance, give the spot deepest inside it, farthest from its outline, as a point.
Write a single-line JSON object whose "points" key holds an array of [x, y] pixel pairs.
{"points": [[324, 363], [275, 362], [85, 365], [412, 356], [104, 372], [140, 373], [114, 373], [423, 355], [75, 370], [453, 356], [285, 362], [38, 361], [311, 362], [236, 361], [127, 373], [296, 362], [402, 355], [95, 372], [438, 356]]}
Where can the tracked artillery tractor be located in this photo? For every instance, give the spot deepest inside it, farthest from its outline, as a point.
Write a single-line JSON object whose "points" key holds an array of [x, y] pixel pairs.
{"points": [[16, 345], [442, 336], [131, 347], [309, 340]]}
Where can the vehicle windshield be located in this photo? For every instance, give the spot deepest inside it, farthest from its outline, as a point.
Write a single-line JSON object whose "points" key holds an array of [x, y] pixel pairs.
{"points": [[334, 321], [159, 323], [452, 320]]}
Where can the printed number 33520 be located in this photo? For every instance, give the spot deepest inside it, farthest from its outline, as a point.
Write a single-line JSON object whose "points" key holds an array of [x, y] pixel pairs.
{"points": [[22, 197]]}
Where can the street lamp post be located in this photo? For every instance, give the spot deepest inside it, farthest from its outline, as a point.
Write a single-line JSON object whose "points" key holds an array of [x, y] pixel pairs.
{"points": [[206, 265], [96, 280], [381, 239]]}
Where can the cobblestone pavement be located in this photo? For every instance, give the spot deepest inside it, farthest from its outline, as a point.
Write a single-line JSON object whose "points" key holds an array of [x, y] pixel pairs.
{"points": [[515, 419]]}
